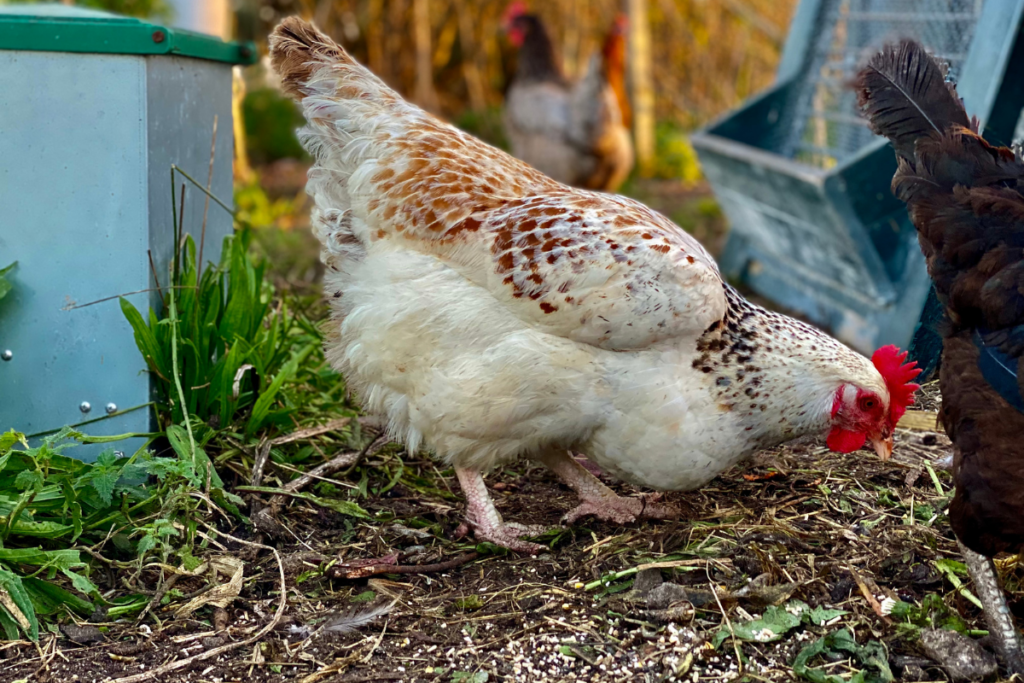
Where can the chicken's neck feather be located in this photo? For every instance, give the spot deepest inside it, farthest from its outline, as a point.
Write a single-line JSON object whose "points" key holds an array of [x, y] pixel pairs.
{"points": [[777, 374], [538, 62]]}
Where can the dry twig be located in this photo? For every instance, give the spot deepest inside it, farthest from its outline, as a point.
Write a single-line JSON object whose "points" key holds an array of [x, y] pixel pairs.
{"points": [[158, 595], [262, 455], [725, 618], [866, 592], [310, 432], [340, 571]]}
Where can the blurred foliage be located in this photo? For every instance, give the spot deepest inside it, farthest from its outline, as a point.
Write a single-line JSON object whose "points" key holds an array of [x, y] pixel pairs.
{"points": [[256, 207], [485, 124], [707, 56], [701, 217], [675, 157], [145, 9], [271, 120]]}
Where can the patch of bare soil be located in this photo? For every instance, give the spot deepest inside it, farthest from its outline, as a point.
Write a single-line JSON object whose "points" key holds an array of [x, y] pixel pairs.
{"points": [[606, 603]]}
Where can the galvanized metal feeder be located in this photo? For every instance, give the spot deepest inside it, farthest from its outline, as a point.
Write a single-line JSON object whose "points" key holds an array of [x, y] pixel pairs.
{"points": [[805, 184], [96, 109]]}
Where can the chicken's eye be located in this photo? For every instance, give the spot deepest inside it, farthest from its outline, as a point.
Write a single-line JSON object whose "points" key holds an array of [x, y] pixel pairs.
{"points": [[867, 403]]}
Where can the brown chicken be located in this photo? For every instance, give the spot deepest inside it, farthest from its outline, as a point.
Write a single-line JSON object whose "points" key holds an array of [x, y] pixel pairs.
{"points": [[573, 132], [966, 199]]}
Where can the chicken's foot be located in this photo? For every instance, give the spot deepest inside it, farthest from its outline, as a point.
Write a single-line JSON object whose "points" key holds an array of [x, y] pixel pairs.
{"points": [[597, 499], [486, 521], [997, 612]]}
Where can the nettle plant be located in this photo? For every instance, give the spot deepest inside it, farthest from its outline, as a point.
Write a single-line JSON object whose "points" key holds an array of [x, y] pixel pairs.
{"points": [[121, 509]]}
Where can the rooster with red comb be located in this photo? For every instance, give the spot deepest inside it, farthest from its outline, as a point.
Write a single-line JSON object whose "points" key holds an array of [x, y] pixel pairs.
{"points": [[494, 314], [575, 132]]}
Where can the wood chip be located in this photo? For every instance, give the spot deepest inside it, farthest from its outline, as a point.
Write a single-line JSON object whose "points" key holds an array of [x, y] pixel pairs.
{"points": [[921, 421]]}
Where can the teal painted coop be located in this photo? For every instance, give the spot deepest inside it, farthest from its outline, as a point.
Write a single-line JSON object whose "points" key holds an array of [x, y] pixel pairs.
{"points": [[95, 110], [805, 184]]}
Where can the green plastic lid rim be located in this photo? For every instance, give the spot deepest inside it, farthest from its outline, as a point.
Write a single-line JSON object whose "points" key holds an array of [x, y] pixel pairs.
{"points": [[58, 28]]}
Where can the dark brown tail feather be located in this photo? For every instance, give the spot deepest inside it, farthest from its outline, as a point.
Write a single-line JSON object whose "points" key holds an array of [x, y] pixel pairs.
{"points": [[905, 96], [296, 46]]}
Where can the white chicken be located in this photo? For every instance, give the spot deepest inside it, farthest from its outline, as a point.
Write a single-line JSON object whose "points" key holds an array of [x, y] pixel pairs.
{"points": [[492, 313]]}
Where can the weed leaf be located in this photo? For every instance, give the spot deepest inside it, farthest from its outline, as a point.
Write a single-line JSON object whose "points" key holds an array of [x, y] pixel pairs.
{"points": [[15, 600], [5, 285]]}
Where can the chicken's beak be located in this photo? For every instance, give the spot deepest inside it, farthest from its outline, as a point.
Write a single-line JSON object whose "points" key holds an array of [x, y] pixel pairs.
{"points": [[882, 445]]}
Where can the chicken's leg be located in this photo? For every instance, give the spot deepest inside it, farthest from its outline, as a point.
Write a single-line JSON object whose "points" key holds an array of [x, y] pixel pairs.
{"points": [[486, 521], [597, 499], [997, 612]]}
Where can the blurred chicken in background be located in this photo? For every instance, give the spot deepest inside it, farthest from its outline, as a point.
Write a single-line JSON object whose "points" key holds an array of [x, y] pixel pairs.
{"points": [[576, 133]]}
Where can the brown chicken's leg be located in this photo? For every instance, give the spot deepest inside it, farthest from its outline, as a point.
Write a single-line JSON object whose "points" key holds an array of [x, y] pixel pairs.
{"points": [[486, 521], [997, 612], [597, 499]]}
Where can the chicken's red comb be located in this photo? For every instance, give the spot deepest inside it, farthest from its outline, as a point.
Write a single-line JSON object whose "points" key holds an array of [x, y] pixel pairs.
{"points": [[516, 8], [888, 361]]}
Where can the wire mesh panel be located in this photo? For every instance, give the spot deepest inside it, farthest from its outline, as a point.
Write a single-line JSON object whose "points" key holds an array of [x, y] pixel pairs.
{"points": [[824, 127], [805, 184]]}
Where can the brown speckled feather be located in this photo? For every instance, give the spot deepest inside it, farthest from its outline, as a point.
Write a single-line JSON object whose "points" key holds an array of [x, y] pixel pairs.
{"points": [[594, 268]]}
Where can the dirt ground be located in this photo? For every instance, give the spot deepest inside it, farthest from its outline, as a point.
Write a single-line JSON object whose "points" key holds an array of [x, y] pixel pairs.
{"points": [[797, 523]]}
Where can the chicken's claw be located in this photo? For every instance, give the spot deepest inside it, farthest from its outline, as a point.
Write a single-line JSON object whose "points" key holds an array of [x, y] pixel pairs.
{"points": [[598, 500], [508, 535], [486, 521], [622, 510]]}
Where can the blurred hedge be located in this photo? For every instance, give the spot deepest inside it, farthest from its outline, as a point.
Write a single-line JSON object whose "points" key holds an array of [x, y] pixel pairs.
{"points": [[708, 55]]}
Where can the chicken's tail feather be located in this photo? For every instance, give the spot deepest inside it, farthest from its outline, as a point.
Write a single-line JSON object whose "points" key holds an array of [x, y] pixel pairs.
{"points": [[905, 97], [965, 195], [345, 105], [311, 64], [296, 48]]}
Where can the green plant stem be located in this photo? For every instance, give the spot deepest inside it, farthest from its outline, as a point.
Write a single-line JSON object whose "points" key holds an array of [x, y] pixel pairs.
{"points": [[935, 479], [112, 517], [121, 610], [23, 503], [173, 314], [608, 578], [117, 437], [175, 169]]}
